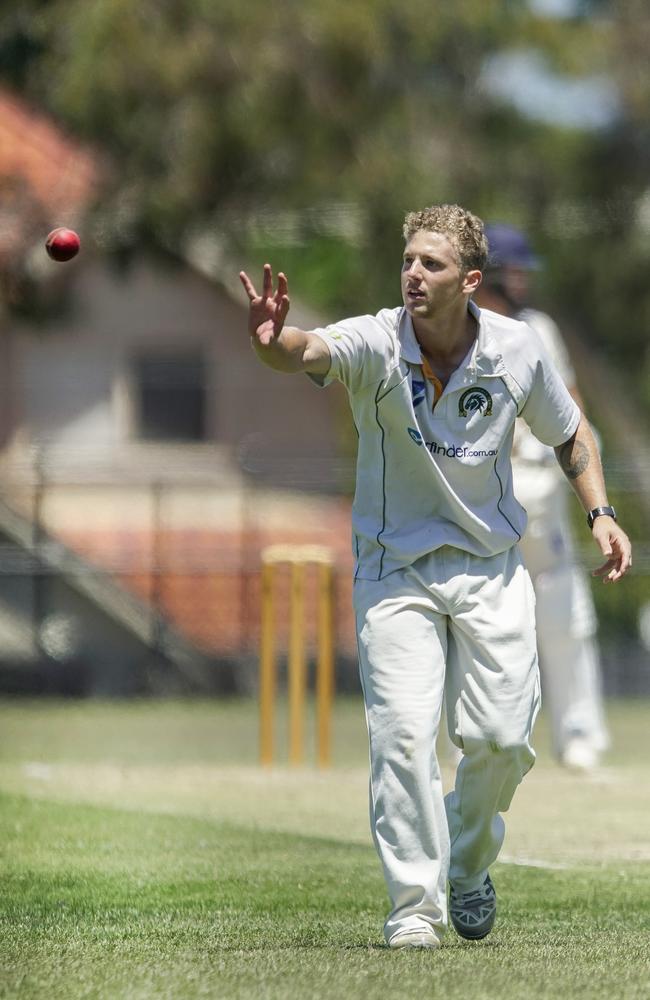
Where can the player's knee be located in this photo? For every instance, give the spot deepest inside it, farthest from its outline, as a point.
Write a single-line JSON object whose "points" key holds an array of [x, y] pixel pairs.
{"points": [[514, 752], [505, 763]]}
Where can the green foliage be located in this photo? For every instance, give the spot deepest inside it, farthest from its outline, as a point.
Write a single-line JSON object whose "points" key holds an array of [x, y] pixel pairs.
{"points": [[214, 113], [210, 107], [326, 272]]}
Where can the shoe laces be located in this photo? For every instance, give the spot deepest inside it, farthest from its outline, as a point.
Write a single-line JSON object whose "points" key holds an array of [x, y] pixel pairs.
{"points": [[475, 898]]}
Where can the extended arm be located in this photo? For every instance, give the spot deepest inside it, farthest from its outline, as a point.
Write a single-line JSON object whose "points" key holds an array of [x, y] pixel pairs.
{"points": [[580, 462], [283, 348]]}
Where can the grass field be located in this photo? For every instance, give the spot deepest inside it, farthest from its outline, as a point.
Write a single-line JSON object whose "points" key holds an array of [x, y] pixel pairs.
{"points": [[145, 855]]}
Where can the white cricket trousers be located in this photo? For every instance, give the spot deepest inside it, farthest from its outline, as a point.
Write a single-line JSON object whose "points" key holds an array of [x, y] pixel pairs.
{"points": [[462, 626], [566, 617]]}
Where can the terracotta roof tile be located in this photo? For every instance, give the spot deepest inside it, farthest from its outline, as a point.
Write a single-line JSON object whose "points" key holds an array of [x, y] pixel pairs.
{"points": [[45, 174]]}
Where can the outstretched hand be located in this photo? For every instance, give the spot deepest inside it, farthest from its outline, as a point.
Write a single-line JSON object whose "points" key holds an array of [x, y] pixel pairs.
{"points": [[268, 311], [615, 546]]}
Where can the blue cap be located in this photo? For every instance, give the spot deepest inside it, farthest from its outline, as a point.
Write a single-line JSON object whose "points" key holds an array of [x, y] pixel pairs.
{"points": [[509, 247]]}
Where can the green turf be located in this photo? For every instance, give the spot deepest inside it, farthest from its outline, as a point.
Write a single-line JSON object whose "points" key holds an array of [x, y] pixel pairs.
{"points": [[161, 896], [161, 732]]}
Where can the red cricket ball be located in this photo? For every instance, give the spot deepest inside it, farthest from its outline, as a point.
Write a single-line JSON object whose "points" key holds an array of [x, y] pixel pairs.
{"points": [[62, 244]]}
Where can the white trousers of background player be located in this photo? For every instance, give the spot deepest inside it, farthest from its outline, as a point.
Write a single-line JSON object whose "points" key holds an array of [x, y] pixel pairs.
{"points": [[459, 625], [566, 618]]}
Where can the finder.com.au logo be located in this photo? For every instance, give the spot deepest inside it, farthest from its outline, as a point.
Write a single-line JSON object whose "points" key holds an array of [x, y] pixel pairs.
{"points": [[450, 450]]}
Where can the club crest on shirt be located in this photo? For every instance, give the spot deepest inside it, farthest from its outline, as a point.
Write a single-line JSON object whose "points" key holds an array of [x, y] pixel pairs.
{"points": [[473, 400]]}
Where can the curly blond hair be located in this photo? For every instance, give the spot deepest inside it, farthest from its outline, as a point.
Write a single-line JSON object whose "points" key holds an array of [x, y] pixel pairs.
{"points": [[463, 230]]}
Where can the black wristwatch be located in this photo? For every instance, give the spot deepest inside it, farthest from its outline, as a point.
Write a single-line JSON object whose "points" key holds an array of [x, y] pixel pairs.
{"points": [[597, 511]]}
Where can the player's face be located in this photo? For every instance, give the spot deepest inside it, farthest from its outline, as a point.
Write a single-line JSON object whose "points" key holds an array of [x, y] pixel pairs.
{"points": [[432, 279]]}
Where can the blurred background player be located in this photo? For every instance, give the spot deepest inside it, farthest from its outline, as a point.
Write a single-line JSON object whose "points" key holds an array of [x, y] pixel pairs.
{"points": [[566, 618]]}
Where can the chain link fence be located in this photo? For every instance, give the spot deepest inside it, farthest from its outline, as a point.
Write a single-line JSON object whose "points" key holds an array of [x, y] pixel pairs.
{"points": [[153, 585]]}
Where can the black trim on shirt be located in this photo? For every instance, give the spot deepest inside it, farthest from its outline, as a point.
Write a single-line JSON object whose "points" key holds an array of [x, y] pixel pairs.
{"points": [[378, 398], [356, 555], [505, 518], [404, 379]]}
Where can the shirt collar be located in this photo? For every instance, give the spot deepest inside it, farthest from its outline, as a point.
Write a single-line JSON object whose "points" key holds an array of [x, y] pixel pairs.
{"points": [[484, 358], [409, 347]]}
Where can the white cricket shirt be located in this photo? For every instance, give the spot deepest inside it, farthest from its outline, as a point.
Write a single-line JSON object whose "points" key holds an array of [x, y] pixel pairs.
{"points": [[527, 449], [431, 475]]}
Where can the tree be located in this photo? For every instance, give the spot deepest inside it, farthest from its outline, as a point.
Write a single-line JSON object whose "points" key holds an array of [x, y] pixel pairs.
{"points": [[225, 118]]}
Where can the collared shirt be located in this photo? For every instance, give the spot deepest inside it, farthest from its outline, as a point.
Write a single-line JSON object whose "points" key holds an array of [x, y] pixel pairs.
{"points": [[436, 471]]}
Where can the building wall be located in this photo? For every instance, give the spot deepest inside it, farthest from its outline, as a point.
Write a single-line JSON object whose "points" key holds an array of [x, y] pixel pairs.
{"points": [[178, 525], [74, 377]]}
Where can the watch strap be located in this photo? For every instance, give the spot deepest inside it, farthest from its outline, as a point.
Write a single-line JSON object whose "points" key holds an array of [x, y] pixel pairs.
{"points": [[598, 512]]}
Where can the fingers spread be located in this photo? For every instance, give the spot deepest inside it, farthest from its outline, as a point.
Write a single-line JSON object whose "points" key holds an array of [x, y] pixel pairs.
{"points": [[248, 285], [283, 286], [267, 286], [616, 565], [609, 571], [281, 314], [617, 550]]}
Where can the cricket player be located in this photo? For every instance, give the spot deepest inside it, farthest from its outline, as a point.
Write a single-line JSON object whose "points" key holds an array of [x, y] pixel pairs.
{"points": [[443, 602], [565, 613]]}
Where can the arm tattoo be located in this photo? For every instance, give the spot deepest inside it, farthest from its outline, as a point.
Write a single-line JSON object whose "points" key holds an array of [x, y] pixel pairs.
{"points": [[574, 458]]}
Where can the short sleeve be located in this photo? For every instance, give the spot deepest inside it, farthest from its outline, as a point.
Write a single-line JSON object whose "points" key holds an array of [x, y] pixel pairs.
{"points": [[362, 349], [550, 336], [550, 411]]}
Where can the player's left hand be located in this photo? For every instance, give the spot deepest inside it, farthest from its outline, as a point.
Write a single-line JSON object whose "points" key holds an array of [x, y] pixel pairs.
{"points": [[615, 546]]}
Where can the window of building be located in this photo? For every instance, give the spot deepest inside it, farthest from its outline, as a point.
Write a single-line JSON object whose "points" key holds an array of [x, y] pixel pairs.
{"points": [[170, 397]]}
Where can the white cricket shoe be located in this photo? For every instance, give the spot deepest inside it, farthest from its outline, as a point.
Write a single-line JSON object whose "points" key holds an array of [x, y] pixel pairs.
{"points": [[417, 937], [580, 755]]}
